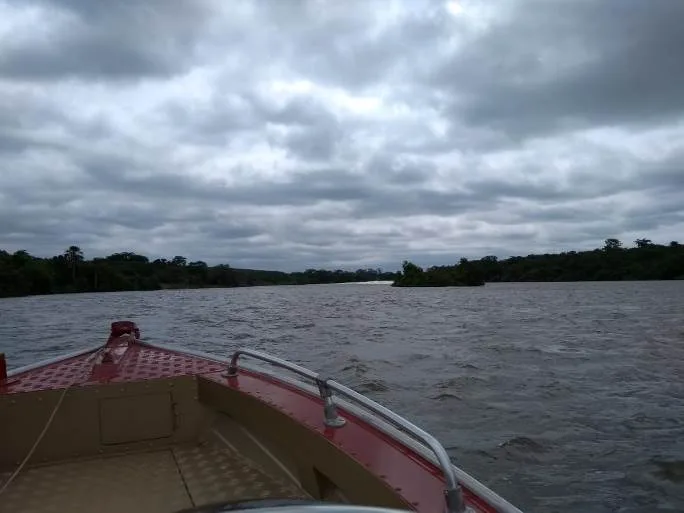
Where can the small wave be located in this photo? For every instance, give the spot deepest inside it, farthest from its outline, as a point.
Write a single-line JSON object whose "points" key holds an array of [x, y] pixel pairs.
{"points": [[522, 447], [242, 336], [374, 385], [446, 396], [672, 471], [304, 326], [644, 422], [355, 365], [419, 356], [457, 382], [553, 389], [232, 319], [50, 349], [478, 453]]}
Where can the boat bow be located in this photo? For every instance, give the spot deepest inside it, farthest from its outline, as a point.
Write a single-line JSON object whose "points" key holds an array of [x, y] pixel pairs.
{"points": [[411, 469]]}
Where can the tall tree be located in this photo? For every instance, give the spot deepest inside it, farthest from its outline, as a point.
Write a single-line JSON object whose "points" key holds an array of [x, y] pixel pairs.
{"points": [[180, 261], [73, 256], [643, 243], [612, 244]]}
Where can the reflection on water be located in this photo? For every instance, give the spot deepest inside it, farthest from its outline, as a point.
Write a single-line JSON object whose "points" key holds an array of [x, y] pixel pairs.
{"points": [[562, 397]]}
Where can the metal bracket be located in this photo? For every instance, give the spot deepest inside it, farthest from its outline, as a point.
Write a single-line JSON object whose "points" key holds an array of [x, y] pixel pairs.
{"points": [[331, 417], [454, 501], [232, 370]]}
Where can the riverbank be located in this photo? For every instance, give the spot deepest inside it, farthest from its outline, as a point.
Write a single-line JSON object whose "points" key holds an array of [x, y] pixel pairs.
{"points": [[612, 262], [22, 274]]}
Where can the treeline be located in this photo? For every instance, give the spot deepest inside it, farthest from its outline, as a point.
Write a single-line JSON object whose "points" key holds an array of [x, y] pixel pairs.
{"points": [[22, 274], [644, 261]]}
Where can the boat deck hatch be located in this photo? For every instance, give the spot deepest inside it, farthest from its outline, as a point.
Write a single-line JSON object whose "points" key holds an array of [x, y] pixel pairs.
{"points": [[136, 418]]}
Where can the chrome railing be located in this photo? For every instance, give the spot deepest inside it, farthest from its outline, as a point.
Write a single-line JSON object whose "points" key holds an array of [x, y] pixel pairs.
{"points": [[331, 417], [453, 493]]}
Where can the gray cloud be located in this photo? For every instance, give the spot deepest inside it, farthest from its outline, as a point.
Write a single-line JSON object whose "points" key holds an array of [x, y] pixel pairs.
{"points": [[564, 65], [101, 41], [299, 133]]}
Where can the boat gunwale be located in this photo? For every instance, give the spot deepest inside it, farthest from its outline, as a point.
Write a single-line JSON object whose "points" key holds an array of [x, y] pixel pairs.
{"points": [[13, 373], [472, 484]]}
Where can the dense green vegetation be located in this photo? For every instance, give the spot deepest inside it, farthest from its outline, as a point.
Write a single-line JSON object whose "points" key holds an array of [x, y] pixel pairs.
{"points": [[22, 274], [465, 274], [644, 261]]}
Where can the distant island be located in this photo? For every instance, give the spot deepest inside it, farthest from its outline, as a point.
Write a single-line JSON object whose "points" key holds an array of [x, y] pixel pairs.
{"points": [[465, 274], [22, 274]]}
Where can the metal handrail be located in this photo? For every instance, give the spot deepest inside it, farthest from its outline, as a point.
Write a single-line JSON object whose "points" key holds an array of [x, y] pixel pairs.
{"points": [[453, 492], [331, 417], [274, 360]]}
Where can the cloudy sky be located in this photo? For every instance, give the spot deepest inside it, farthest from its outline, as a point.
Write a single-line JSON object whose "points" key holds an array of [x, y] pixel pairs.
{"points": [[286, 134]]}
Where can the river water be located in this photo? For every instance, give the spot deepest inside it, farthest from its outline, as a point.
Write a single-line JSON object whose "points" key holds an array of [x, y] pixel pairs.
{"points": [[563, 397]]}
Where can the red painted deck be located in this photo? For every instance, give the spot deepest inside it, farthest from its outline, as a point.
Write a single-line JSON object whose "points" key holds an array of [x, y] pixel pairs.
{"points": [[137, 362], [124, 359]]}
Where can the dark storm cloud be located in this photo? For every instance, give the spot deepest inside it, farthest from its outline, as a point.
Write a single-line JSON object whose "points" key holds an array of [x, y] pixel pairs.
{"points": [[295, 133], [369, 195], [570, 64], [366, 199], [332, 42], [106, 40], [12, 143], [21, 113], [317, 144], [308, 128]]}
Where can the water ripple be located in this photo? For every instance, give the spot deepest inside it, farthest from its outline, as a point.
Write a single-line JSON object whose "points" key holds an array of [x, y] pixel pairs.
{"points": [[563, 397]]}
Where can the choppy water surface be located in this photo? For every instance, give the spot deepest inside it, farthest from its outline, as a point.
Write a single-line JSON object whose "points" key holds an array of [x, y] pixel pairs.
{"points": [[562, 397]]}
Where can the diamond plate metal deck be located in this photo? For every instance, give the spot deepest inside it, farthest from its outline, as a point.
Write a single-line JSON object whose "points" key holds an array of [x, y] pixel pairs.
{"points": [[139, 362], [156, 482]]}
